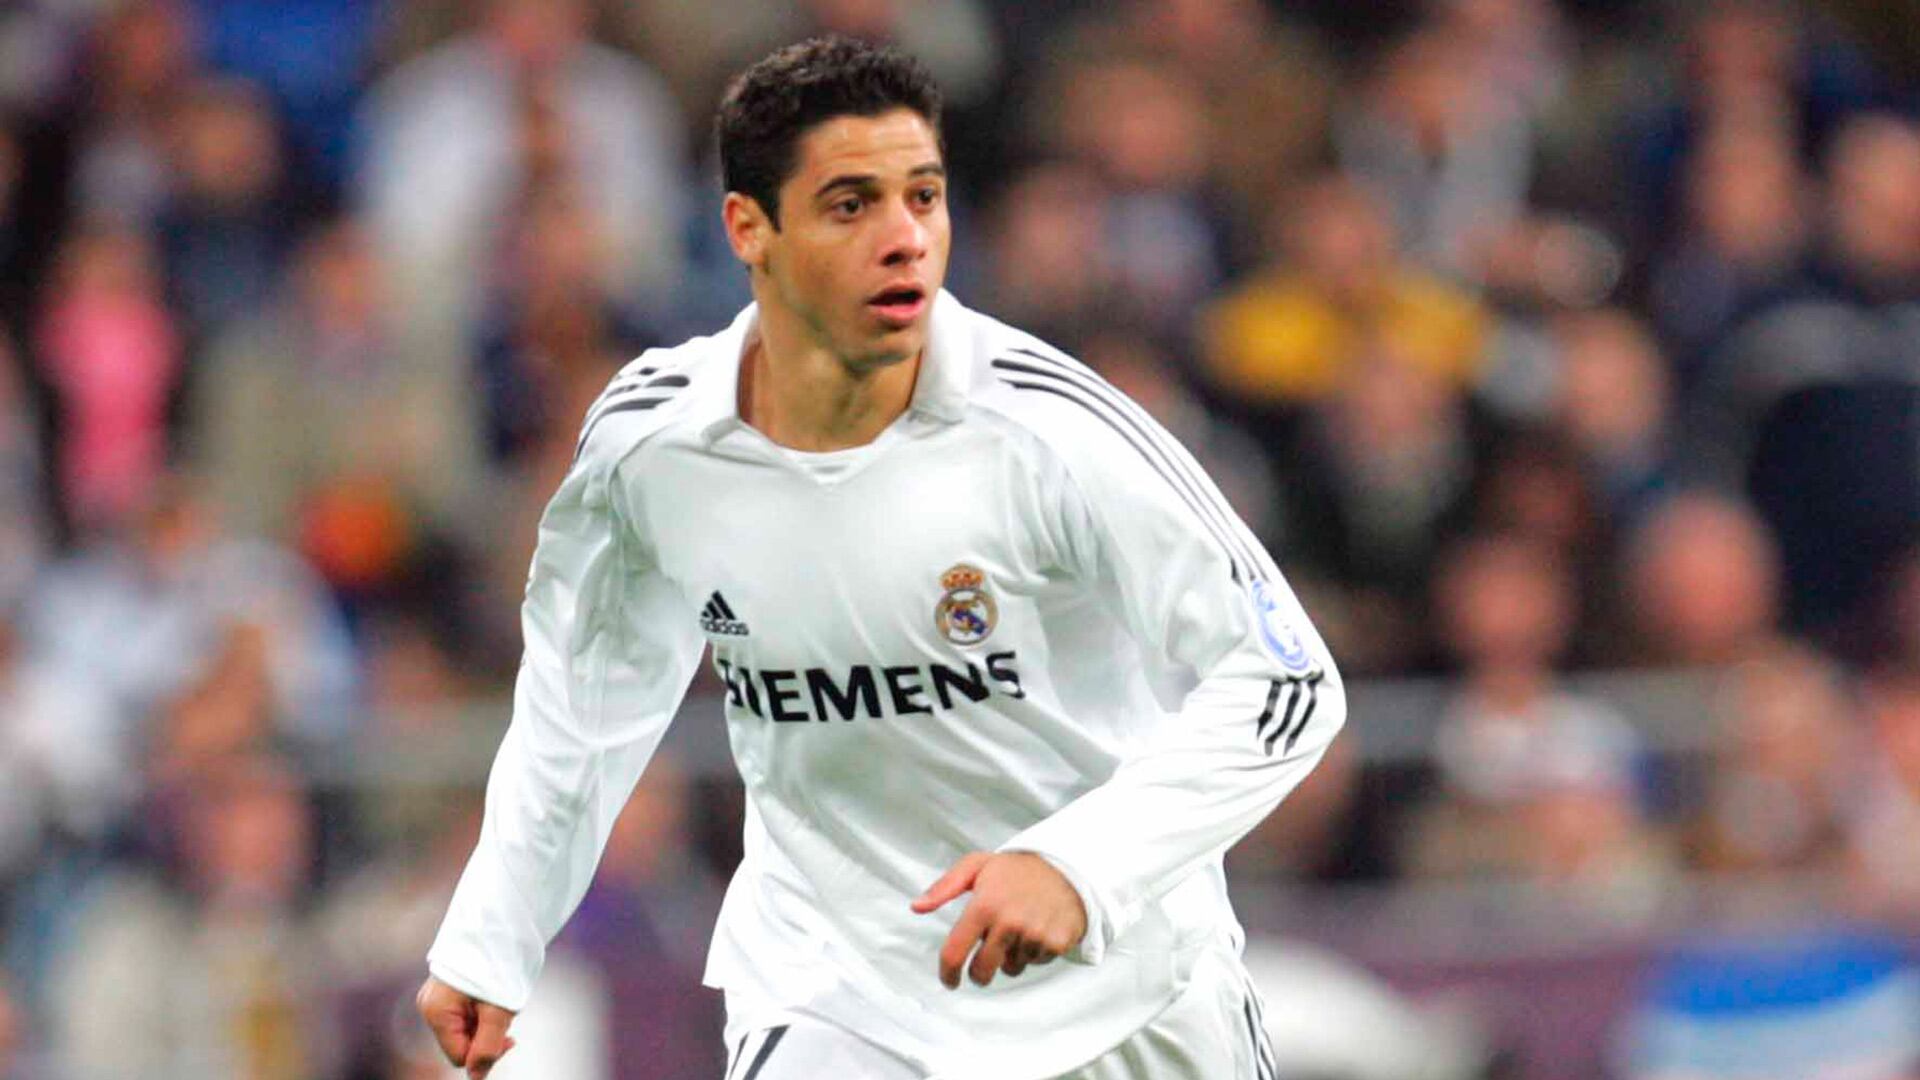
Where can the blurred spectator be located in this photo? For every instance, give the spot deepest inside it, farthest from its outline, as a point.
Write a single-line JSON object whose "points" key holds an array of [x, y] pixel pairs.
{"points": [[1749, 217], [178, 598], [140, 56], [1812, 403], [1537, 783], [712, 286], [313, 406], [1873, 210], [1537, 485], [555, 339], [1268, 89], [1703, 582], [224, 710], [1375, 483], [1047, 266], [65, 762], [1846, 323], [1740, 55], [954, 38], [1782, 758], [1884, 803], [1518, 50], [39, 41], [1585, 834], [553, 334], [1441, 136], [212, 974], [1142, 126], [1738, 59], [416, 675], [1340, 289], [1447, 134], [1504, 609], [378, 922], [225, 230], [111, 350], [1613, 405], [455, 136], [1547, 262], [310, 55], [640, 926]]}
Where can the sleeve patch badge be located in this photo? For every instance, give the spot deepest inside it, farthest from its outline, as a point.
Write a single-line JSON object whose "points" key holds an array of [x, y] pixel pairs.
{"points": [[1278, 633]]}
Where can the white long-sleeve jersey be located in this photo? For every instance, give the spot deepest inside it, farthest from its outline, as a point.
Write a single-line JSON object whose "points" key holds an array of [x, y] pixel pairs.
{"points": [[1020, 619]]}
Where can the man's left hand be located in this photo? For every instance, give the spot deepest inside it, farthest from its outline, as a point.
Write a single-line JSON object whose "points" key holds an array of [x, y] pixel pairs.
{"points": [[1023, 912]]}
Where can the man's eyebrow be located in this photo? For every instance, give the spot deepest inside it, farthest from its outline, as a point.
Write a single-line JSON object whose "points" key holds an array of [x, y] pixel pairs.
{"points": [[854, 180], [931, 168]]}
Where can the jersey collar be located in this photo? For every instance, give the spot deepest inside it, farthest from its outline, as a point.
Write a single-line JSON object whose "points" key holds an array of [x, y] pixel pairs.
{"points": [[946, 369], [939, 394]]}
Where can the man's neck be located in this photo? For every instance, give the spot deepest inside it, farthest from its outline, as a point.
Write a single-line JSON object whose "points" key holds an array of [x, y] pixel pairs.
{"points": [[806, 398]]}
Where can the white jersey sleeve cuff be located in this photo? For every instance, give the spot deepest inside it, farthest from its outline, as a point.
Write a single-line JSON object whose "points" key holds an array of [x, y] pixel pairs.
{"points": [[469, 987]]}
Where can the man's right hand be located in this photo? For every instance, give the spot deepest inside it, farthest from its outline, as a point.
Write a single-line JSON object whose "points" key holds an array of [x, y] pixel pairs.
{"points": [[472, 1033]]}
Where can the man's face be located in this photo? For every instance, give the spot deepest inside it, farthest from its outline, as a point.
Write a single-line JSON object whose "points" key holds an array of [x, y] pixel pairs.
{"points": [[862, 245]]}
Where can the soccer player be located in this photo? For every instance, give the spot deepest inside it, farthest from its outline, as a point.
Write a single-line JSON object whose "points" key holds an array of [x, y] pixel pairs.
{"points": [[1004, 675]]}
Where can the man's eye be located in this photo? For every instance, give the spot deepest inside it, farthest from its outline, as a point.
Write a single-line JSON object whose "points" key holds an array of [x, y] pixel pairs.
{"points": [[927, 196], [847, 206]]}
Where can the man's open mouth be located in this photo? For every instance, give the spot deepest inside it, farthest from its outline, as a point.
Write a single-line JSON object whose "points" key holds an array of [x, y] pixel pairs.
{"points": [[899, 304]]}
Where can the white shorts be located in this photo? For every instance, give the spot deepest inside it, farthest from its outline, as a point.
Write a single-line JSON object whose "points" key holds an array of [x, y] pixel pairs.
{"points": [[1213, 1031]]}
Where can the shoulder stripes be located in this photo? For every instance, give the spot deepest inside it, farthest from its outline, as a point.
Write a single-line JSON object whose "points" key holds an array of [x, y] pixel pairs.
{"points": [[1036, 372], [1303, 695], [644, 388]]}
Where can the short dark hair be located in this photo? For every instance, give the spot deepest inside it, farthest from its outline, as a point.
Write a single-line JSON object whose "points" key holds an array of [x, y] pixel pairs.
{"points": [[769, 106]]}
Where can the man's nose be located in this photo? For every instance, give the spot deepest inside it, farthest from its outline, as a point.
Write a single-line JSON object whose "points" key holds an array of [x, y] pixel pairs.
{"points": [[905, 239]]}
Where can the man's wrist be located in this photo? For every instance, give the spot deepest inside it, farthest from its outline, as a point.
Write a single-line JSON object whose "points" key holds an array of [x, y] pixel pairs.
{"points": [[457, 981], [1092, 945]]}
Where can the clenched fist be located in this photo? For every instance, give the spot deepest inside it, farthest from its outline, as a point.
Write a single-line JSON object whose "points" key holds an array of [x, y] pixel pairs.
{"points": [[1023, 912], [472, 1033]]}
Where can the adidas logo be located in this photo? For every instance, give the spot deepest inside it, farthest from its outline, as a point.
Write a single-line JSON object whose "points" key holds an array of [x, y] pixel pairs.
{"points": [[718, 618]]}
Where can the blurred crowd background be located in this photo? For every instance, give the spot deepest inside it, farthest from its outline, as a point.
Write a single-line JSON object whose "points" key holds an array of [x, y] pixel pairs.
{"points": [[1566, 353]]}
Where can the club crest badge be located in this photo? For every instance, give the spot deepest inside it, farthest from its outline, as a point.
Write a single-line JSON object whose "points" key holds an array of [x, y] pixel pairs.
{"points": [[966, 613], [1278, 633]]}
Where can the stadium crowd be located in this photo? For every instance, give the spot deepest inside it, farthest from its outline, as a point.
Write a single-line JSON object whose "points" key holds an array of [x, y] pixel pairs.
{"points": [[1534, 337]]}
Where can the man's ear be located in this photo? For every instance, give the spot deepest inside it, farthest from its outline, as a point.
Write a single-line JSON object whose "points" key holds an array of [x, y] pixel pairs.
{"points": [[748, 228]]}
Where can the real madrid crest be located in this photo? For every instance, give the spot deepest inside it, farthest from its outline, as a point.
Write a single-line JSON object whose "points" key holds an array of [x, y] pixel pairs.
{"points": [[966, 613]]}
